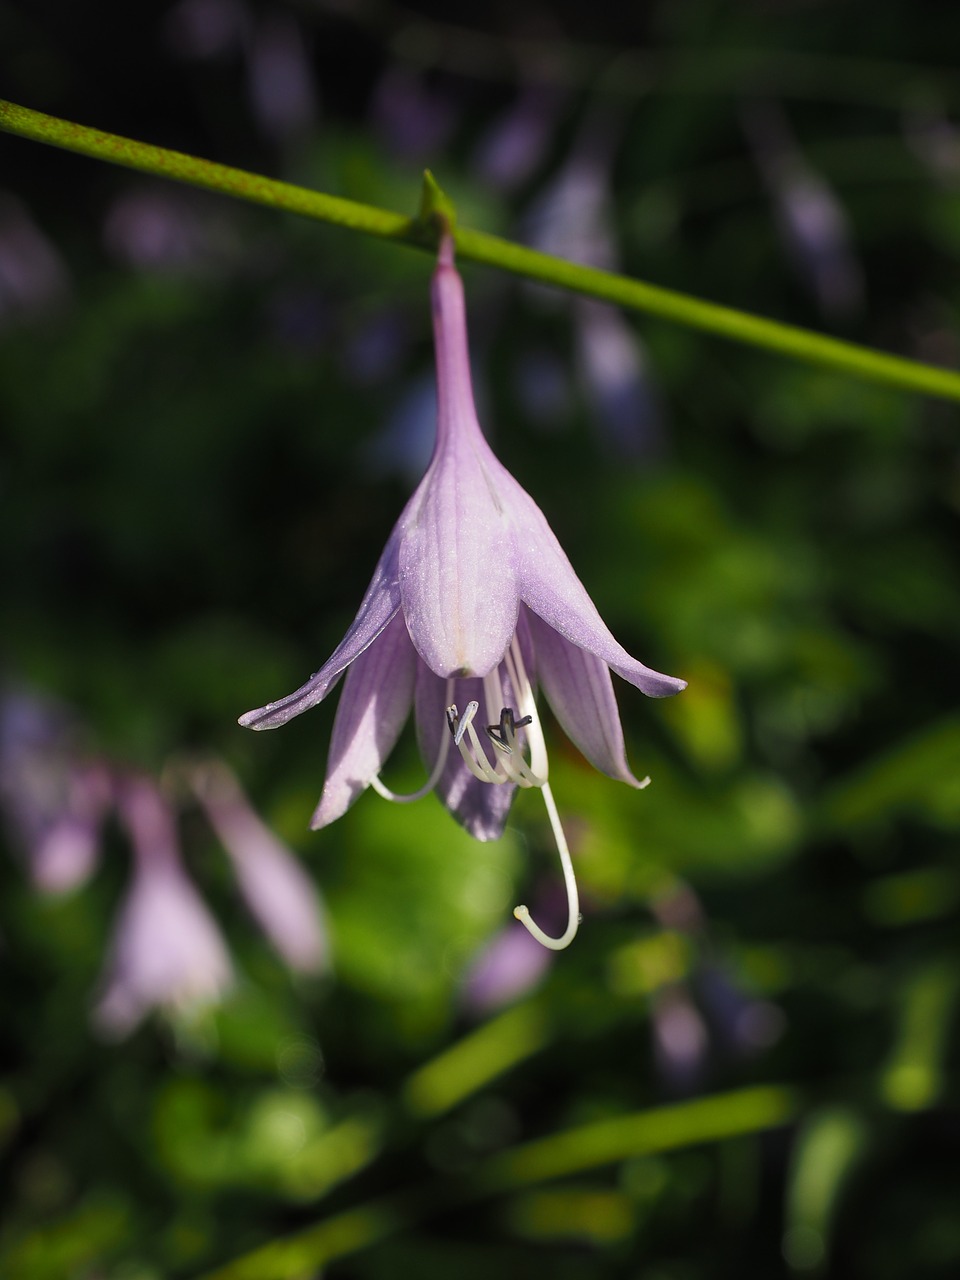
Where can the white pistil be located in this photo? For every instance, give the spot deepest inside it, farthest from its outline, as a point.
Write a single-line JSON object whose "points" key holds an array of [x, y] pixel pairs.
{"points": [[570, 884], [510, 766]]}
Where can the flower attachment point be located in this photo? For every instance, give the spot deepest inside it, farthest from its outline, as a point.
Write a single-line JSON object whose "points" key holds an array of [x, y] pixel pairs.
{"points": [[437, 213]]}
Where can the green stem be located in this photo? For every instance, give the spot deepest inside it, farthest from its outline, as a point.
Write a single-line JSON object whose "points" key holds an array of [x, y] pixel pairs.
{"points": [[676, 1126], [740, 326]]}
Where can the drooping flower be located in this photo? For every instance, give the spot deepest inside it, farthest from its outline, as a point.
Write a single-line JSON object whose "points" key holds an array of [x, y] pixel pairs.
{"points": [[473, 601], [52, 795], [167, 951]]}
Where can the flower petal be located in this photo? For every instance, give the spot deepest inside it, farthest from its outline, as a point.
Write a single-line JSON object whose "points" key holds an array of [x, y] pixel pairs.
{"points": [[277, 890], [480, 807], [551, 589], [457, 573], [378, 607], [580, 692], [374, 705]]}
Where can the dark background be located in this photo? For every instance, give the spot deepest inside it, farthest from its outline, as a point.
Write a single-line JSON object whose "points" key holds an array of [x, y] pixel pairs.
{"points": [[210, 416]]}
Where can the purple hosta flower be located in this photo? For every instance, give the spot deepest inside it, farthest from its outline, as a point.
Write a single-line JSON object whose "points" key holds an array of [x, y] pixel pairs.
{"points": [[67, 851], [53, 799], [516, 145], [472, 602], [33, 279], [813, 224], [279, 893], [167, 951], [511, 964], [680, 1039], [572, 220], [280, 79]]}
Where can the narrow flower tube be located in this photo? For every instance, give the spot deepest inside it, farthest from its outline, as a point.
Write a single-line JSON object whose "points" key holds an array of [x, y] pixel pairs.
{"points": [[472, 604]]}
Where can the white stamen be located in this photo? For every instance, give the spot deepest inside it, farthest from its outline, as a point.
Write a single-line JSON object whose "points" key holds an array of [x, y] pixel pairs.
{"points": [[527, 707], [383, 790], [477, 760]]}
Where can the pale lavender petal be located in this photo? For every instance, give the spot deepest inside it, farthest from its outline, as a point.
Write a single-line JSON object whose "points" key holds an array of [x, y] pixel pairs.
{"points": [[457, 576], [480, 807], [65, 855], [374, 706], [280, 895], [551, 589], [378, 607], [580, 692]]}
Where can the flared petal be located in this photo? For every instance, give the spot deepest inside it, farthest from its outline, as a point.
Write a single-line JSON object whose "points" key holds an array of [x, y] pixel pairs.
{"points": [[374, 705], [578, 687], [377, 609], [551, 589], [480, 807], [457, 571]]}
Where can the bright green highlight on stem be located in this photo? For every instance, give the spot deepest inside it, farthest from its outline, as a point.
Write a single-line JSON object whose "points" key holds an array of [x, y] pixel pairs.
{"points": [[475, 1060], [641, 1133], [421, 232], [679, 1124]]}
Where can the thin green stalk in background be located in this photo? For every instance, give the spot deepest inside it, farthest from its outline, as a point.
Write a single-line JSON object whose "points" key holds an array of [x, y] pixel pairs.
{"points": [[420, 232], [676, 1126]]}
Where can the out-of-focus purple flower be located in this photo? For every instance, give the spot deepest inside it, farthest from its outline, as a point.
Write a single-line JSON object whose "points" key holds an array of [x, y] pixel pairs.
{"points": [[614, 371], [571, 217], [680, 1038], [415, 120], [472, 601], [572, 220], [279, 78], [156, 229], [510, 152], [205, 28], [741, 1021], [277, 891], [813, 224], [511, 964], [935, 140], [33, 279], [67, 851], [167, 951], [54, 800]]}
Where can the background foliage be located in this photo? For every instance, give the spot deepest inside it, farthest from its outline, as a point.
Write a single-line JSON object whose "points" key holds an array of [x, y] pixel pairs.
{"points": [[211, 416]]}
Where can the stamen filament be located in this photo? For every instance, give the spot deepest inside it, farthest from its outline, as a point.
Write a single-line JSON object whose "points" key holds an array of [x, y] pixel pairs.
{"points": [[522, 913], [517, 671], [511, 766], [399, 798], [488, 772]]}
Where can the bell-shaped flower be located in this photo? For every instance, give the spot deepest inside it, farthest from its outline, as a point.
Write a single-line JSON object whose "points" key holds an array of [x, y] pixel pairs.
{"points": [[472, 602], [167, 951]]}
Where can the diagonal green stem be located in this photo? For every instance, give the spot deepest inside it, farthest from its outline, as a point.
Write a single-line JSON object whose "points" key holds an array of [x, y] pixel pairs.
{"points": [[677, 1126], [740, 326]]}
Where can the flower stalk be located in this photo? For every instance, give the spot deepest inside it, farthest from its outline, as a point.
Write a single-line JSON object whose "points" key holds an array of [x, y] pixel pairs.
{"points": [[636, 295]]}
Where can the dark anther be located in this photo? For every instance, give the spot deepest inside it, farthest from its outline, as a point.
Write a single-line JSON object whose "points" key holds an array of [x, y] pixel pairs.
{"points": [[502, 733], [453, 719]]}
